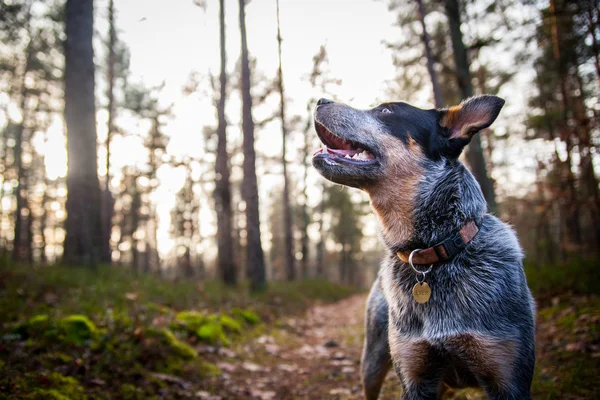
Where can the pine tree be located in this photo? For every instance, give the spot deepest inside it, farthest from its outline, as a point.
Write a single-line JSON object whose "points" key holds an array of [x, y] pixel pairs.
{"points": [[83, 241], [290, 268], [255, 260], [222, 192]]}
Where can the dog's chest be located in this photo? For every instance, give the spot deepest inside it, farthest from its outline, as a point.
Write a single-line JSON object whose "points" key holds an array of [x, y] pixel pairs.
{"points": [[455, 306]]}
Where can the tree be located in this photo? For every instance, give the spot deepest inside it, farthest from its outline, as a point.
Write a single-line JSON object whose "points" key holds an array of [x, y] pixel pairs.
{"points": [[185, 226], [255, 259], [107, 200], [474, 152], [426, 39], [287, 209], [346, 232], [222, 192], [560, 113], [83, 240]]}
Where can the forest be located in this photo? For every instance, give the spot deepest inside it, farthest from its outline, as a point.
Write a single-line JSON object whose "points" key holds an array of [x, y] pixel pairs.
{"points": [[164, 235]]}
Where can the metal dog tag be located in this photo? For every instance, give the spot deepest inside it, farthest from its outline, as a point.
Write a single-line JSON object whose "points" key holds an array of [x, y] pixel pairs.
{"points": [[421, 292]]}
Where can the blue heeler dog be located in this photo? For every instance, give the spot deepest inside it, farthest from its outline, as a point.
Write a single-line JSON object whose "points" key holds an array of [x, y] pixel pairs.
{"points": [[451, 306]]}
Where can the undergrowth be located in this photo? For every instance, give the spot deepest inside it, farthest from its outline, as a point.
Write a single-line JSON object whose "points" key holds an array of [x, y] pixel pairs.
{"points": [[78, 333]]}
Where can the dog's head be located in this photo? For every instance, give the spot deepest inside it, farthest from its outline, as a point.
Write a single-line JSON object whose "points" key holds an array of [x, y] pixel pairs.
{"points": [[395, 151], [389, 143]]}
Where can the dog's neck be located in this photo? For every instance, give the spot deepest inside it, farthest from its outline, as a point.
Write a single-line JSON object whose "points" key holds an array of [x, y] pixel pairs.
{"points": [[422, 212]]}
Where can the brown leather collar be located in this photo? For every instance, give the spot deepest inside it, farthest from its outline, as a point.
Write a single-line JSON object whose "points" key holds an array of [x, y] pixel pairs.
{"points": [[445, 250]]}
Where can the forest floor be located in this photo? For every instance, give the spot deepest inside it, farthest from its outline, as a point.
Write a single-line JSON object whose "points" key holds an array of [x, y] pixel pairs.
{"points": [[317, 356], [147, 339]]}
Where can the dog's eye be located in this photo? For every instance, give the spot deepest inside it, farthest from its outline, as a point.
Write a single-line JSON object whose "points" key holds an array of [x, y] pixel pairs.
{"points": [[386, 110]]}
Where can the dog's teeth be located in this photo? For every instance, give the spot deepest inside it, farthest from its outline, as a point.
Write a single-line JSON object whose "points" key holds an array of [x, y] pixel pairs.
{"points": [[347, 156]]}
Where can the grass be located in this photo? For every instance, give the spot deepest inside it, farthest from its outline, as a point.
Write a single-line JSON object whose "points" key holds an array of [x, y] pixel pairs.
{"points": [[578, 276], [81, 333]]}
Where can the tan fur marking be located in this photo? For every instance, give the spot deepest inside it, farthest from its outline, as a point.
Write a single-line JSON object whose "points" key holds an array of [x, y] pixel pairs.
{"points": [[392, 198], [462, 122], [452, 116], [412, 356], [488, 357]]}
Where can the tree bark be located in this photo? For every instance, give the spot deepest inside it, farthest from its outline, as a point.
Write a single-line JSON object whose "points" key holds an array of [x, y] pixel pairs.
{"points": [[107, 199], [288, 239], [222, 193], [435, 82], [304, 241], [474, 151], [255, 259], [18, 253], [320, 267], [566, 134], [83, 240]]}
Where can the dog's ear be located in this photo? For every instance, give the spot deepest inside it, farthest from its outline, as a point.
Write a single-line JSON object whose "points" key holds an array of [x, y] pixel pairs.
{"points": [[459, 123]]}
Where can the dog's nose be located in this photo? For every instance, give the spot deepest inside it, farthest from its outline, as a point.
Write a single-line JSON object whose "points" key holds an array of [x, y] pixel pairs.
{"points": [[323, 101]]}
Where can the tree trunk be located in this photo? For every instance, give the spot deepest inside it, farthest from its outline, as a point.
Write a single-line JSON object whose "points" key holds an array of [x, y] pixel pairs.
{"points": [[288, 239], [474, 151], [304, 241], [83, 240], [255, 259], [18, 253], [107, 200], [435, 82], [320, 267], [222, 193], [566, 134]]}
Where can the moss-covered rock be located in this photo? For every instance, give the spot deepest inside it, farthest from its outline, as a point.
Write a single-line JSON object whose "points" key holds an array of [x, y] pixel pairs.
{"points": [[35, 326], [191, 320], [212, 332], [230, 324], [77, 329], [176, 346], [246, 315]]}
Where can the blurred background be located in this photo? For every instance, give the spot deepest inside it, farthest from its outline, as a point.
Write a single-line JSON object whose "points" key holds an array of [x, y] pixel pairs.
{"points": [[165, 148]]}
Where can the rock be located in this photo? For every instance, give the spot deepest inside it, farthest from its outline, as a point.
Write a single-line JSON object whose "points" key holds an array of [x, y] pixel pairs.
{"points": [[340, 391], [227, 367], [248, 366], [207, 396]]}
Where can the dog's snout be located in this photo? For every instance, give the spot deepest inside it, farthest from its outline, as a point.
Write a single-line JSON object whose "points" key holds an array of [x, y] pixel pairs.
{"points": [[323, 101]]}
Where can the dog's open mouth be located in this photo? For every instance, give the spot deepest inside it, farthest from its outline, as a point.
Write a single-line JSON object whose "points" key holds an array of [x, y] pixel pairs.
{"points": [[341, 149]]}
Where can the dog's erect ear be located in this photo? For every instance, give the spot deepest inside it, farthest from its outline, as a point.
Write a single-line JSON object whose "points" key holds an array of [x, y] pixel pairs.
{"points": [[469, 117]]}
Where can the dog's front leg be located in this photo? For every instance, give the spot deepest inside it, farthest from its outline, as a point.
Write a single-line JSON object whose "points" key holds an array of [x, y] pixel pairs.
{"points": [[419, 367], [376, 360]]}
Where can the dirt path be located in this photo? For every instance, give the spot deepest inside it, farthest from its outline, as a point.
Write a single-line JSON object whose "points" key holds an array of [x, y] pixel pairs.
{"points": [[315, 357]]}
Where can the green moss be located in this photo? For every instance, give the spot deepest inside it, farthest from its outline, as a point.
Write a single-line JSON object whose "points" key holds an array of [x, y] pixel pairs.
{"points": [[128, 391], [212, 332], [247, 315], [62, 388], [46, 394], [230, 324], [34, 326], [191, 320], [176, 346], [209, 370], [77, 329]]}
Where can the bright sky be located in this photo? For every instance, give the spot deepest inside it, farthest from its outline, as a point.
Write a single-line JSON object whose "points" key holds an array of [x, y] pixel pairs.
{"points": [[167, 43]]}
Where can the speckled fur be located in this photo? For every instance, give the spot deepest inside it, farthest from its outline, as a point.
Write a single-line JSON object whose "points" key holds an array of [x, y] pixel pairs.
{"points": [[478, 327]]}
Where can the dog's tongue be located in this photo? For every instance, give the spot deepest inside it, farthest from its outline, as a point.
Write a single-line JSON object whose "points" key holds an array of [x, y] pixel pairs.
{"points": [[345, 152]]}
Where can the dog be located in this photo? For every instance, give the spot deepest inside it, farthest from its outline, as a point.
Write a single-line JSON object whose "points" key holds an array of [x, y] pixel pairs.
{"points": [[450, 306]]}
